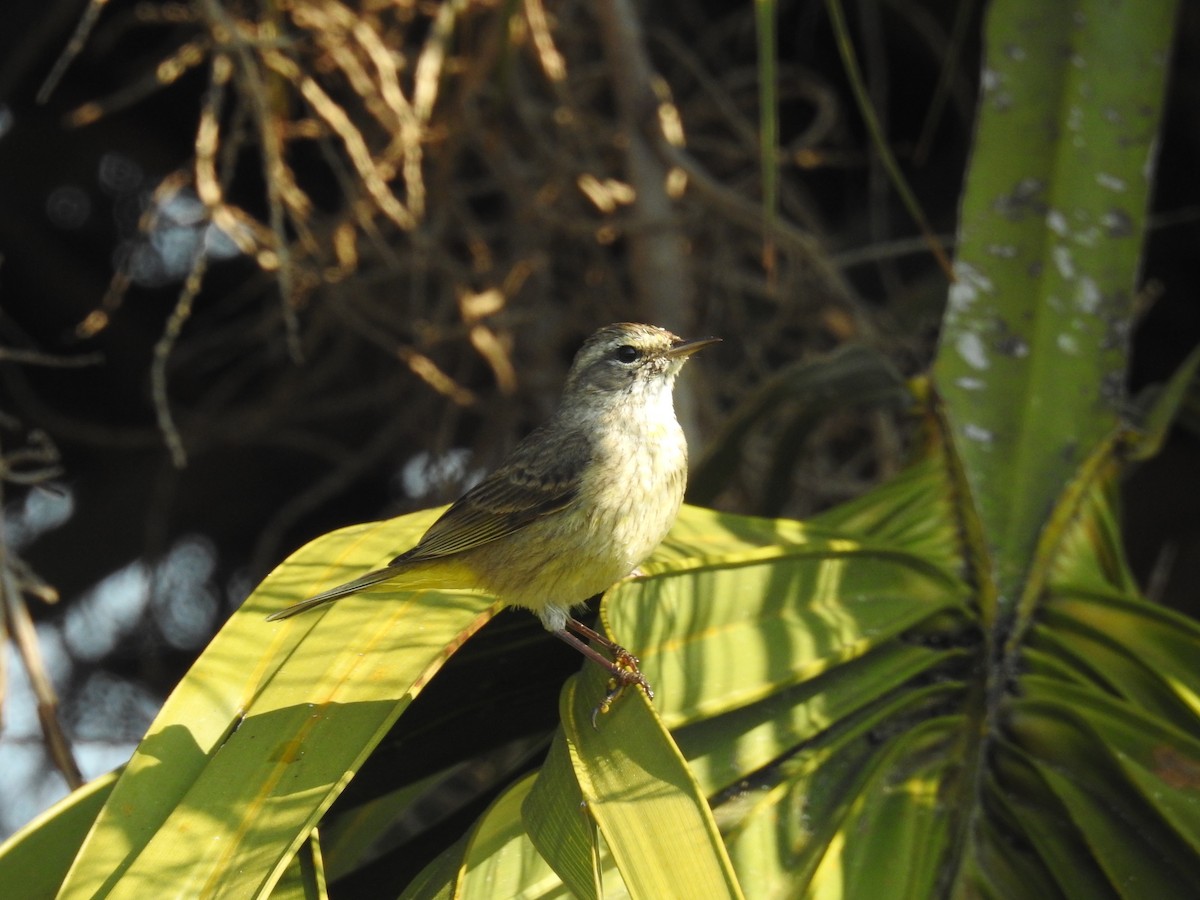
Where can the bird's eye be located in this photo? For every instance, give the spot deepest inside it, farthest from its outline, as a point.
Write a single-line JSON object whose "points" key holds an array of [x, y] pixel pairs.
{"points": [[627, 354]]}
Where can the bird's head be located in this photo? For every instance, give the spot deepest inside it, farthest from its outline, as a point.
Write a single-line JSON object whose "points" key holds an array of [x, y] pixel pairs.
{"points": [[629, 359]]}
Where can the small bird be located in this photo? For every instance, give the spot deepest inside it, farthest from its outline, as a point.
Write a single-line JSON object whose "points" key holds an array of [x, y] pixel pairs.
{"points": [[580, 503]]}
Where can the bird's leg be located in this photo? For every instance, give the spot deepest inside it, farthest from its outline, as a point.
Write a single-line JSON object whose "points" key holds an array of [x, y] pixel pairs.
{"points": [[621, 656], [623, 666]]}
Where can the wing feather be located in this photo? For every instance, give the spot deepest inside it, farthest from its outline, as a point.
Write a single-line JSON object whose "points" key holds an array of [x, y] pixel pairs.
{"points": [[539, 479]]}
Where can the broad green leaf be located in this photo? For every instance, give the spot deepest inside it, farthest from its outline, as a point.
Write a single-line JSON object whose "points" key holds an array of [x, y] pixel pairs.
{"points": [[800, 609], [623, 779], [497, 858], [304, 878], [1032, 357], [353, 839], [437, 880], [555, 817], [271, 723], [914, 511], [1055, 663], [1087, 749], [1086, 657], [727, 748], [1021, 802], [787, 824], [501, 861], [369, 826], [1152, 757], [899, 815], [646, 803], [792, 623], [1158, 637], [1087, 554], [1131, 864]]}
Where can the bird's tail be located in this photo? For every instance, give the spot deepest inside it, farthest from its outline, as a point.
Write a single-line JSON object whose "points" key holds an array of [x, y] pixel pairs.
{"points": [[342, 590]]}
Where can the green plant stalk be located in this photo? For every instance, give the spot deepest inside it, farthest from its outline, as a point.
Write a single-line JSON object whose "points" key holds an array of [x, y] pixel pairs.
{"points": [[1033, 353], [1032, 359]]}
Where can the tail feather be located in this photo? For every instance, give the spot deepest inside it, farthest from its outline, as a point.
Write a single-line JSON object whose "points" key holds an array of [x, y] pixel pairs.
{"points": [[342, 590]]}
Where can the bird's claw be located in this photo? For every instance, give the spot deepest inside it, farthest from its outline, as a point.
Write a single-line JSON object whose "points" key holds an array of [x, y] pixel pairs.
{"points": [[625, 674]]}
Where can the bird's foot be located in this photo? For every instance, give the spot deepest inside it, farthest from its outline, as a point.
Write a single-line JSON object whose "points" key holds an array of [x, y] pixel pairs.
{"points": [[623, 667], [625, 673]]}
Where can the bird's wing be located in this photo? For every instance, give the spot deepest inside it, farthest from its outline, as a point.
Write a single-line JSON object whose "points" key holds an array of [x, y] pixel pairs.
{"points": [[540, 478]]}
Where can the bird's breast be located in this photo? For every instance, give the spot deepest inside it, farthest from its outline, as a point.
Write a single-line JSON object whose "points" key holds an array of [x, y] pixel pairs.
{"points": [[629, 494], [635, 486]]}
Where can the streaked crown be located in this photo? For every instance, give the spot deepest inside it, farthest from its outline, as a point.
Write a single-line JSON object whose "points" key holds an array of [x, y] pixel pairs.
{"points": [[620, 356]]}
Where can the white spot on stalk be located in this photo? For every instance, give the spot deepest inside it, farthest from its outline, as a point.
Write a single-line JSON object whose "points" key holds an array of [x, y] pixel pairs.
{"points": [[1064, 262], [977, 433], [1087, 296], [1057, 223], [971, 349]]}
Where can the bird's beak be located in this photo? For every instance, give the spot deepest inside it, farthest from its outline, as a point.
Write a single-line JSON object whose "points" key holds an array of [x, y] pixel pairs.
{"points": [[684, 349]]}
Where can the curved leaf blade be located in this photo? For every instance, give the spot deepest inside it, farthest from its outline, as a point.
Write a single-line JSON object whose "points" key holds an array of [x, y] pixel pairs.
{"points": [[271, 723], [645, 801]]}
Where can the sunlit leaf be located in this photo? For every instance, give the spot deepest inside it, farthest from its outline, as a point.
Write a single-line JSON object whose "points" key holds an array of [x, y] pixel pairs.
{"points": [[271, 723], [644, 800]]}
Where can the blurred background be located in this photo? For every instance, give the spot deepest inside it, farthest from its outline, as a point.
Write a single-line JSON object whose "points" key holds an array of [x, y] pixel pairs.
{"points": [[269, 270]]}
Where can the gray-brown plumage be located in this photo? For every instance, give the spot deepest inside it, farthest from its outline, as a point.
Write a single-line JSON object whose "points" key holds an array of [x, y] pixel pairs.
{"points": [[581, 501]]}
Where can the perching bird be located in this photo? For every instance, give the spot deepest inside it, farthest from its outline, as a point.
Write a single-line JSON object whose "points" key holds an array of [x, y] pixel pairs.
{"points": [[580, 502]]}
